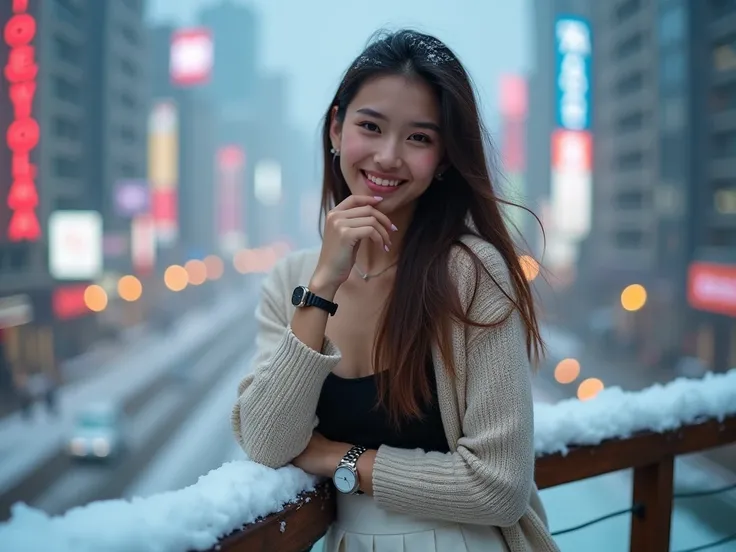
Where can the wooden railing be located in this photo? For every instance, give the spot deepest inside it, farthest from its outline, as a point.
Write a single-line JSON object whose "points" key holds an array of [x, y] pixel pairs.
{"points": [[650, 455]]}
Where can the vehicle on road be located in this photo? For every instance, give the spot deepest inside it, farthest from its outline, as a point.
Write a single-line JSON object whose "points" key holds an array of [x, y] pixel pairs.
{"points": [[99, 433]]}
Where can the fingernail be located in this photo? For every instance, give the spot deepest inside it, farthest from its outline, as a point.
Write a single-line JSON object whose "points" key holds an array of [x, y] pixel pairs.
{"points": [[379, 198], [386, 248], [394, 228]]}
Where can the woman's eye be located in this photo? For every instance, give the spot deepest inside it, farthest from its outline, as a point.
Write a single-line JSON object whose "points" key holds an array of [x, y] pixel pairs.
{"points": [[372, 127], [419, 138]]}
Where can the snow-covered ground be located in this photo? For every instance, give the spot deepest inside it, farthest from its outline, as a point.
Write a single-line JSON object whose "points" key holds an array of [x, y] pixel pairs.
{"points": [[28, 444], [240, 491]]}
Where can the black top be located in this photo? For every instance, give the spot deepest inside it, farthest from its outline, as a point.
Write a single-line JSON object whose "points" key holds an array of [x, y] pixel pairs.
{"points": [[348, 413]]}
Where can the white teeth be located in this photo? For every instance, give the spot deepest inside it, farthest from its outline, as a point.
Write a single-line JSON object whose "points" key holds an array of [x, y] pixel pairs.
{"points": [[382, 182]]}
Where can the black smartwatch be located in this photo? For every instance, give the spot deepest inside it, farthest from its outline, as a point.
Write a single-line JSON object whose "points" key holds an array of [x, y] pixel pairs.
{"points": [[302, 297]]}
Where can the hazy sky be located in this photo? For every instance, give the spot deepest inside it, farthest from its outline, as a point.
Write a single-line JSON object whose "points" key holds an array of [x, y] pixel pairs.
{"points": [[313, 41]]}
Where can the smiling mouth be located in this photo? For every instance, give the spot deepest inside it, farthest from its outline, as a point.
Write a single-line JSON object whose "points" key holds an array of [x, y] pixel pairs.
{"points": [[382, 182]]}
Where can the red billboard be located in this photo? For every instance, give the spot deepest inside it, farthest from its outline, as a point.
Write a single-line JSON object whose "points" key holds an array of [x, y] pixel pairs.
{"points": [[711, 287], [192, 56]]}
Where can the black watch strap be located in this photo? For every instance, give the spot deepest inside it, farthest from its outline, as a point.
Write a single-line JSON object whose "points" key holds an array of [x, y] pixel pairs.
{"points": [[312, 300]]}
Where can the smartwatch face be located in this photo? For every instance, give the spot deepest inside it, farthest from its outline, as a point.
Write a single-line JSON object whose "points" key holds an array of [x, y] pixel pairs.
{"points": [[298, 296], [344, 480]]}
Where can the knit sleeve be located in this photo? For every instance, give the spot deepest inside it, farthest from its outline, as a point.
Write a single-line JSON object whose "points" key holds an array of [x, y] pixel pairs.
{"points": [[489, 477], [274, 415]]}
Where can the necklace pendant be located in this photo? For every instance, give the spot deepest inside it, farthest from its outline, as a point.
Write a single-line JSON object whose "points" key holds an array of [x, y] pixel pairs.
{"points": [[365, 277]]}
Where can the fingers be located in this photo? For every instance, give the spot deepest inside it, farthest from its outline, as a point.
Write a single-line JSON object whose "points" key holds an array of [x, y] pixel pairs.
{"points": [[357, 201], [368, 221], [354, 235]]}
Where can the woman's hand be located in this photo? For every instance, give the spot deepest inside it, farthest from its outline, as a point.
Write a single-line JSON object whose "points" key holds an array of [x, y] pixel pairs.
{"points": [[321, 456], [351, 221]]}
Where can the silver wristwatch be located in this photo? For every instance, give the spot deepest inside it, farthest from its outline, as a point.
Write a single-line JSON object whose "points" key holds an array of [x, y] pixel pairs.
{"points": [[346, 474]]}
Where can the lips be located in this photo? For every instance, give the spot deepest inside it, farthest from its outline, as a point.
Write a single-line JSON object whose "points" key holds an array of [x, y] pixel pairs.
{"points": [[381, 185]]}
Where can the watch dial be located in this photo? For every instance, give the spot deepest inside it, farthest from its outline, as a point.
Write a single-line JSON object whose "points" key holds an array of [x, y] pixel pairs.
{"points": [[297, 296], [344, 480]]}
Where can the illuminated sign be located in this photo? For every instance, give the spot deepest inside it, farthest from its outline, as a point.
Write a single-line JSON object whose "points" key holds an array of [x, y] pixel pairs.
{"points": [[192, 56], [573, 73], [23, 133]]}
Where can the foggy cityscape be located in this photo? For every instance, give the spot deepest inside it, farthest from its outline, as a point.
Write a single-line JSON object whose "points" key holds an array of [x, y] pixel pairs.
{"points": [[161, 157]]}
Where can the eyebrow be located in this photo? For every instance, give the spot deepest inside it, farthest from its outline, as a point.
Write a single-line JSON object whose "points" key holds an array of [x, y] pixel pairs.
{"points": [[418, 124]]}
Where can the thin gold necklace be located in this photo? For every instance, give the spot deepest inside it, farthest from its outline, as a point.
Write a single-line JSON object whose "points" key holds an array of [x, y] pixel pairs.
{"points": [[367, 276]]}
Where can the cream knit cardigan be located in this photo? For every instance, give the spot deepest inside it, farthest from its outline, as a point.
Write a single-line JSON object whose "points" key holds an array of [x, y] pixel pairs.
{"points": [[487, 478]]}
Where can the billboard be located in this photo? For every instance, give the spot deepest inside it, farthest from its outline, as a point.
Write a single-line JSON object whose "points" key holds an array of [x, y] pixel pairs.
{"points": [[19, 128], [571, 190], [573, 72], [191, 57], [163, 169], [230, 181], [712, 288], [143, 243], [571, 142], [75, 245]]}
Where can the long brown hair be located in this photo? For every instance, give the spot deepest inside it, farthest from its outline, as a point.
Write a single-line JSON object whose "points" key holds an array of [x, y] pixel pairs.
{"points": [[424, 302]]}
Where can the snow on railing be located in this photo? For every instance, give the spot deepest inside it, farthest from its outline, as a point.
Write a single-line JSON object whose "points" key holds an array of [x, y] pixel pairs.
{"points": [[242, 492]]}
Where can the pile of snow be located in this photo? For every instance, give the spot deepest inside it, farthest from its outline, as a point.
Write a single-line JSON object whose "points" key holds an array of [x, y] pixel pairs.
{"points": [[616, 413], [240, 492], [194, 518]]}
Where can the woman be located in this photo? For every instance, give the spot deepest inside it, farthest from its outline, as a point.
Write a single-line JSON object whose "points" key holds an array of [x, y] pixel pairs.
{"points": [[414, 395]]}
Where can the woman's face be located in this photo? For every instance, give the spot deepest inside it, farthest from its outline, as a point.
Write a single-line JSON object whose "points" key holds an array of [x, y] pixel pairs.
{"points": [[390, 143]]}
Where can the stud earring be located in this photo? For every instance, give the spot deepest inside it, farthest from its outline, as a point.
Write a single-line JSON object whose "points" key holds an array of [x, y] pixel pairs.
{"points": [[438, 176], [335, 152]]}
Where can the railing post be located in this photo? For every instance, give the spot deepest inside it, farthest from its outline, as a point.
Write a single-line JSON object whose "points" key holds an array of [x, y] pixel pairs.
{"points": [[653, 489]]}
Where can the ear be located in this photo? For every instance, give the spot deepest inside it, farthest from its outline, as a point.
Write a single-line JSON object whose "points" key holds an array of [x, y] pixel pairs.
{"points": [[335, 129]]}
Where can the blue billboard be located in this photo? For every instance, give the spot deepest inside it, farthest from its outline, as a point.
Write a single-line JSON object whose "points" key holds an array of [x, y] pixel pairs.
{"points": [[573, 73]]}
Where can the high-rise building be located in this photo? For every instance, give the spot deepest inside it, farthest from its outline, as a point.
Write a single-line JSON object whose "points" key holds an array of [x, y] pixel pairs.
{"points": [[118, 93], [236, 32], [709, 58], [71, 126]]}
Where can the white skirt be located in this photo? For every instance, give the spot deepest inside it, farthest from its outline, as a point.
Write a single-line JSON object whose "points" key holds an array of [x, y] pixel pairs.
{"points": [[361, 526]]}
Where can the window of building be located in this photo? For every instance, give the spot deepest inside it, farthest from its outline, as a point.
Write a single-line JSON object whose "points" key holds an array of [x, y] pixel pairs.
{"points": [[630, 122], [724, 197], [626, 9], [629, 84], [629, 47], [724, 145], [724, 55], [631, 199], [66, 167], [629, 238], [67, 51], [67, 90], [630, 160], [65, 128]]}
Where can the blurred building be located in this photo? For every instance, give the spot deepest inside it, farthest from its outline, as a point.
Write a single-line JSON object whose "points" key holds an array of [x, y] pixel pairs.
{"points": [[711, 59], [252, 121], [71, 72], [236, 30], [194, 140], [118, 87]]}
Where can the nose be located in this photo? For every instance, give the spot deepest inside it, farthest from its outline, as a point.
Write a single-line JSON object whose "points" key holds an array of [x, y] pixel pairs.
{"points": [[388, 155]]}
